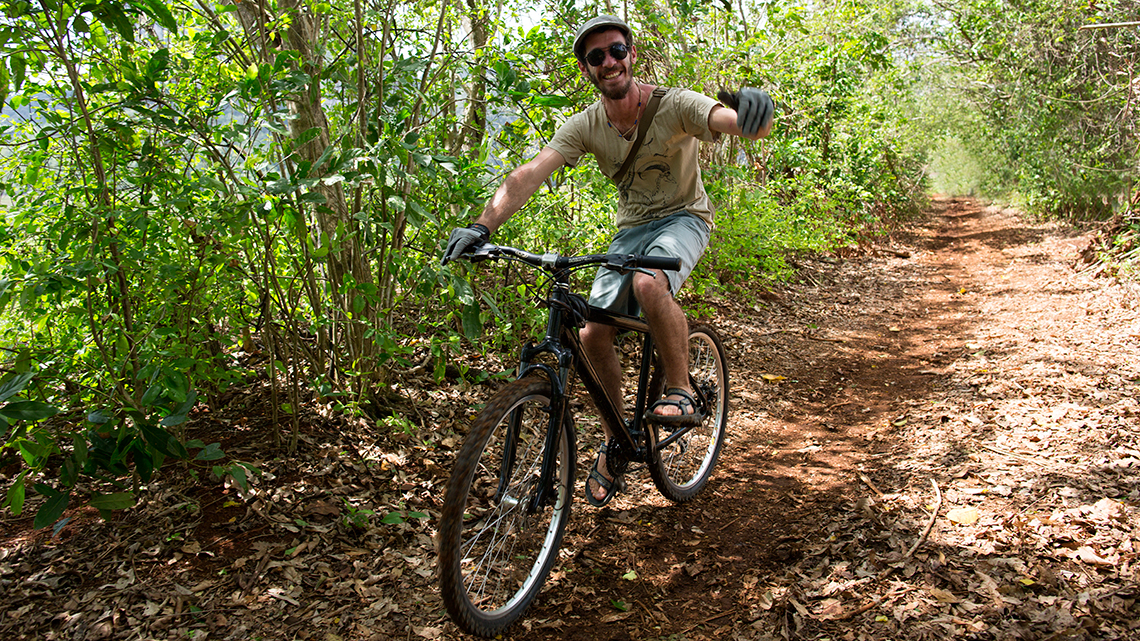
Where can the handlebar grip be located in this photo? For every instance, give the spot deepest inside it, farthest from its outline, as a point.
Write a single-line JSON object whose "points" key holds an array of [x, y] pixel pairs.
{"points": [[667, 263]]}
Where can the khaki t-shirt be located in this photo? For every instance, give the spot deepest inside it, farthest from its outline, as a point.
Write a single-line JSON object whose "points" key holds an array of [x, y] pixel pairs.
{"points": [[665, 178]]}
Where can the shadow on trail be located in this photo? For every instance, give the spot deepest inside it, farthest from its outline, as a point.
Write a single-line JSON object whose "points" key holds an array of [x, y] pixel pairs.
{"points": [[787, 480], [790, 503]]}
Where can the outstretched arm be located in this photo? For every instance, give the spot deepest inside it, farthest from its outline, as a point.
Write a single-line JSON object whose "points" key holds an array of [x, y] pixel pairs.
{"points": [[749, 108], [519, 186]]}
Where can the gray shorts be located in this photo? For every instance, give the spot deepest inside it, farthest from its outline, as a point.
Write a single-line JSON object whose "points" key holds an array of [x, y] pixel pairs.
{"points": [[681, 235]]}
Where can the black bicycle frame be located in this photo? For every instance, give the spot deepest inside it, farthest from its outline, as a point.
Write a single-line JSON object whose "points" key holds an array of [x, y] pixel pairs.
{"points": [[562, 342]]}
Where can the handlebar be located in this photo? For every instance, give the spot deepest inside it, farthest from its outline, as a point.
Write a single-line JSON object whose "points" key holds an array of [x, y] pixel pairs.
{"points": [[554, 262]]}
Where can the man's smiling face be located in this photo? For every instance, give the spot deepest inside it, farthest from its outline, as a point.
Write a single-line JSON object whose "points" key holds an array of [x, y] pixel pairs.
{"points": [[613, 78]]}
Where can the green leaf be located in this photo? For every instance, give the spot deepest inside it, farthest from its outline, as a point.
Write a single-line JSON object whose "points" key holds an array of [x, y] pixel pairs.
{"points": [[16, 497], [178, 416], [280, 186], [472, 325], [211, 182], [144, 462], [27, 411], [19, 70], [159, 11], [59, 526], [212, 452], [69, 472], [463, 290], [79, 443], [392, 518], [238, 472], [306, 136], [554, 102], [116, 501], [329, 151], [619, 605], [98, 417], [113, 17], [32, 452], [176, 384], [157, 64], [417, 214], [151, 395], [50, 511], [161, 440], [43, 489], [14, 384]]}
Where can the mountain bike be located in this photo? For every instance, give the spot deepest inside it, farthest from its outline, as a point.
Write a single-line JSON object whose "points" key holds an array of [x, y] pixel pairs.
{"points": [[509, 495]]}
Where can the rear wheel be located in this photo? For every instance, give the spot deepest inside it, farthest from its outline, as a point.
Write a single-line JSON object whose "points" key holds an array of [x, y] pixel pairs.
{"points": [[495, 551], [682, 459]]}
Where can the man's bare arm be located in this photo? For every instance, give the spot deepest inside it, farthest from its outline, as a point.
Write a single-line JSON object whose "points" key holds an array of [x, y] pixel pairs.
{"points": [[519, 186], [723, 120]]}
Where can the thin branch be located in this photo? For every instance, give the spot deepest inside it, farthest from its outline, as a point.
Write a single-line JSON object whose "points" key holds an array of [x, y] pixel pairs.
{"points": [[930, 524], [1109, 25]]}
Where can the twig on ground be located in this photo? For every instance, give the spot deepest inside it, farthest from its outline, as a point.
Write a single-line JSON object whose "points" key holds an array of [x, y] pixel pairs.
{"points": [[722, 528], [708, 620], [773, 332], [863, 477], [652, 617], [825, 340], [890, 596], [930, 524], [1026, 458], [925, 533]]}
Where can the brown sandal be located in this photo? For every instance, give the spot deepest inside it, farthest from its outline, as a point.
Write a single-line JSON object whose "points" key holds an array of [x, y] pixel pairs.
{"points": [[693, 417]]}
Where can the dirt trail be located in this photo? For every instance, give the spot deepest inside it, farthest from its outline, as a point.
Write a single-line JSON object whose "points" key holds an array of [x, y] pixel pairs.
{"points": [[937, 438], [969, 360]]}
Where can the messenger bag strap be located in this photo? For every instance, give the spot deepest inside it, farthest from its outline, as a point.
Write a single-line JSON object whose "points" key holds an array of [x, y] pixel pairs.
{"points": [[646, 118]]}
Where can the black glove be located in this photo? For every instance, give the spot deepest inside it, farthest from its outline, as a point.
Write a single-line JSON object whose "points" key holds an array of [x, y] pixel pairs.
{"points": [[463, 239], [754, 108]]}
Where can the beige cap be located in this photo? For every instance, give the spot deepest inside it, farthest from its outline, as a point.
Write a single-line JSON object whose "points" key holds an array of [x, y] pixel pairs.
{"points": [[601, 22]]}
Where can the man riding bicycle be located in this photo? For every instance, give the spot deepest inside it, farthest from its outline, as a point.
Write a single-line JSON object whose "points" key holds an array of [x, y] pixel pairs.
{"points": [[663, 209]]}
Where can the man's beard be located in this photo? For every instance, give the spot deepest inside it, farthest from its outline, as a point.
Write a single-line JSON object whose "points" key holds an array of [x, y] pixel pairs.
{"points": [[616, 93]]}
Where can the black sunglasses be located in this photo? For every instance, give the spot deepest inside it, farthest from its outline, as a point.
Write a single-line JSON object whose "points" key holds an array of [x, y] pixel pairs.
{"points": [[618, 50]]}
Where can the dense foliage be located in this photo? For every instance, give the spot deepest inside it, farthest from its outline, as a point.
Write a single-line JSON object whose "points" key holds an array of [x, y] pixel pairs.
{"points": [[1043, 95], [204, 195]]}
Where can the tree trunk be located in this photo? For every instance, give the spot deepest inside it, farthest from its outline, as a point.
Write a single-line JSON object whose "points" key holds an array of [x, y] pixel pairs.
{"points": [[473, 131], [347, 266]]}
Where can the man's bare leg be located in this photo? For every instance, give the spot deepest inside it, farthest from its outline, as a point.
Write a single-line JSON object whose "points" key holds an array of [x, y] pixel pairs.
{"points": [[670, 330], [598, 343]]}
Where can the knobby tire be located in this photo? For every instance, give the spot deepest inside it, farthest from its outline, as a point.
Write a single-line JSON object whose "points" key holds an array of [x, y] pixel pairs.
{"points": [[494, 556], [681, 469]]}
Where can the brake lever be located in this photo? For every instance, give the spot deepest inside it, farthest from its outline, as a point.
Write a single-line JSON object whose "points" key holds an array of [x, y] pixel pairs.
{"points": [[627, 266], [481, 253]]}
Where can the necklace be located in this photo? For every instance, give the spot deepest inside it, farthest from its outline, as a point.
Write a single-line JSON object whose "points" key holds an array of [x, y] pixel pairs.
{"points": [[634, 125]]}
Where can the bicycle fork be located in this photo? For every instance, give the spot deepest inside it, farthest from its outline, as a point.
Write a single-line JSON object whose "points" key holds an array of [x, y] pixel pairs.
{"points": [[540, 489]]}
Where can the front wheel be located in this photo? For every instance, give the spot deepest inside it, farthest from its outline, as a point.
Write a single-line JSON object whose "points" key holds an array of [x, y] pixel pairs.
{"points": [[495, 549], [681, 459]]}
